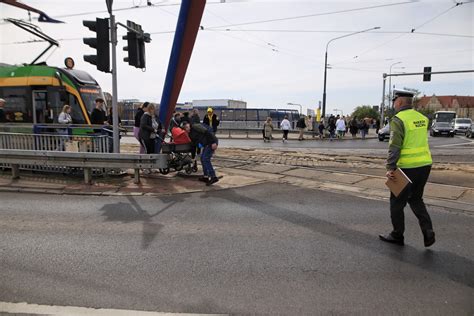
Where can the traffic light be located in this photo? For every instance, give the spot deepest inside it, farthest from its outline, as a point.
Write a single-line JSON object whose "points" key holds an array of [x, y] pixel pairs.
{"points": [[427, 74], [136, 40], [101, 43], [132, 48]]}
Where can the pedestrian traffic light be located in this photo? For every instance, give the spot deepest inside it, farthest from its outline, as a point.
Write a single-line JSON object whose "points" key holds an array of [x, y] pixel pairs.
{"points": [[136, 40], [427, 74], [101, 43]]}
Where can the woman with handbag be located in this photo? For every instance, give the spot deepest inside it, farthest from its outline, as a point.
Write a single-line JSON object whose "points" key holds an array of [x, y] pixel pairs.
{"points": [[148, 129]]}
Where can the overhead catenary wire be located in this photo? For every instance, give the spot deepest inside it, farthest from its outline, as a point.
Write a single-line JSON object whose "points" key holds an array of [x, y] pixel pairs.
{"points": [[411, 31], [344, 32], [227, 21], [315, 14]]}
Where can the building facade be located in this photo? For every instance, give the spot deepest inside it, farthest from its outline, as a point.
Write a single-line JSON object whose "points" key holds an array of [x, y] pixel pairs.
{"points": [[462, 105]]}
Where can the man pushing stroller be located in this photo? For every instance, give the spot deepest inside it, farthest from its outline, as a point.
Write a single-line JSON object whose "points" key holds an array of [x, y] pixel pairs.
{"points": [[203, 137]]}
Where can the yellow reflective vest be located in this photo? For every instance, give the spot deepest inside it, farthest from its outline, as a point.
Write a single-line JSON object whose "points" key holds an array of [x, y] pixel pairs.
{"points": [[415, 151]]}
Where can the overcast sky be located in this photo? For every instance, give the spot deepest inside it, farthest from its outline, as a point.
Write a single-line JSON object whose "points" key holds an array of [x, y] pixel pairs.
{"points": [[269, 64]]}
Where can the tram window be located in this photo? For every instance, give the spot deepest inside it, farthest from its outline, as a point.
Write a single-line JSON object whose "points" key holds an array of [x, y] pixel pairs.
{"points": [[17, 107], [55, 105], [42, 113], [76, 112]]}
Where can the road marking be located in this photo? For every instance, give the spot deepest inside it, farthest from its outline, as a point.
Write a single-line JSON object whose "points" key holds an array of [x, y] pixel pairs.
{"points": [[34, 309], [469, 142]]}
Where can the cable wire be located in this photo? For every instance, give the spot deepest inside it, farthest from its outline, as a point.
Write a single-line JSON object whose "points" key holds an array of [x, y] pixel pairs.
{"points": [[411, 32], [315, 14]]}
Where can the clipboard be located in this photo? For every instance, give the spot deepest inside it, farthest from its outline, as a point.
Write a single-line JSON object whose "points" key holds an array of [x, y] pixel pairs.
{"points": [[399, 184]]}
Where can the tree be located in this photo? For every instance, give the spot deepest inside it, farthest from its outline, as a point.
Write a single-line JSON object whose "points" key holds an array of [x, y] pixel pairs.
{"points": [[364, 111]]}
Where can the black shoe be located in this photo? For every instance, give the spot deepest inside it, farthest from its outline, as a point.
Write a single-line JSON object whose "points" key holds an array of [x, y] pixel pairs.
{"points": [[203, 179], [429, 237], [389, 238], [212, 181]]}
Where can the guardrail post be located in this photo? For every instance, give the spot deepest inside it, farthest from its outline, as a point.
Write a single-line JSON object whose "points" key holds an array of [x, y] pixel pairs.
{"points": [[136, 179], [88, 175], [15, 171]]}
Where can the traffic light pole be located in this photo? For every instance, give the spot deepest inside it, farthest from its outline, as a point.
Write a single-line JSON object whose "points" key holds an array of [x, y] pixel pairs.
{"points": [[413, 74], [382, 106], [115, 114]]}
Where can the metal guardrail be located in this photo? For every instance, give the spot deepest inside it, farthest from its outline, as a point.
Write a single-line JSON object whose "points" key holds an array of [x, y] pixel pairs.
{"points": [[249, 131], [87, 161], [47, 142]]}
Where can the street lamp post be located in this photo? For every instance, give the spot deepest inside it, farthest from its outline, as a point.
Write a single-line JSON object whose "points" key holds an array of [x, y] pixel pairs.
{"points": [[390, 84], [326, 62], [301, 107], [337, 110]]}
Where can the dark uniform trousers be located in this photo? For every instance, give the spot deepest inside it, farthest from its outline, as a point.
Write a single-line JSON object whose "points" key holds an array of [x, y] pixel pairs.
{"points": [[413, 195]]}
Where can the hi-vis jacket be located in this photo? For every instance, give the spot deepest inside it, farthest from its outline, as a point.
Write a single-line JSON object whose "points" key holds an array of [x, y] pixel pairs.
{"points": [[408, 141]]}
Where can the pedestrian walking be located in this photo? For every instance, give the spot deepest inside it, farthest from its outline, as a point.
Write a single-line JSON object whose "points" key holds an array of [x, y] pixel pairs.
{"points": [[301, 126], [148, 129], [195, 119], [331, 127], [346, 122], [267, 130], [340, 127], [110, 118], [136, 128], [377, 126], [175, 121], [409, 151], [285, 126], [185, 118], [65, 115], [353, 127], [211, 120], [321, 129], [364, 128], [201, 135], [98, 115]]}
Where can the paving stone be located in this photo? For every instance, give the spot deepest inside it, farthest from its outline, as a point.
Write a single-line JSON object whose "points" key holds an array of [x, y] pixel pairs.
{"points": [[270, 168], [236, 181], [341, 187], [467, 197], [252, 173], [443, 191], [466, 207], [372, 183], [341, 177], [306, 173]]}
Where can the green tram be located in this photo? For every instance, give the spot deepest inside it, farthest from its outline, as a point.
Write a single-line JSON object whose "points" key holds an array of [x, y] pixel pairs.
{"points": [[37, 93]]}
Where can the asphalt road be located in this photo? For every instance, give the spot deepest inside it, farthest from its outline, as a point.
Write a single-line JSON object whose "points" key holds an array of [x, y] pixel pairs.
{"points": [[261, 249]]}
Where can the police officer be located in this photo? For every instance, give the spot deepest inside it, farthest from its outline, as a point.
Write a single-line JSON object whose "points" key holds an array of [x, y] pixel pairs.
{"points": [[409, 151]]}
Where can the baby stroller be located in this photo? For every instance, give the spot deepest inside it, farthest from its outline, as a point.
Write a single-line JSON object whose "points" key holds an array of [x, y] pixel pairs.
{"points": [[180, 153]]}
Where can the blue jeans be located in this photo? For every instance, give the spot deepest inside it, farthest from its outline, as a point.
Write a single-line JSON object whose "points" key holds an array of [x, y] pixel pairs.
{"points": [[206, 156]]}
